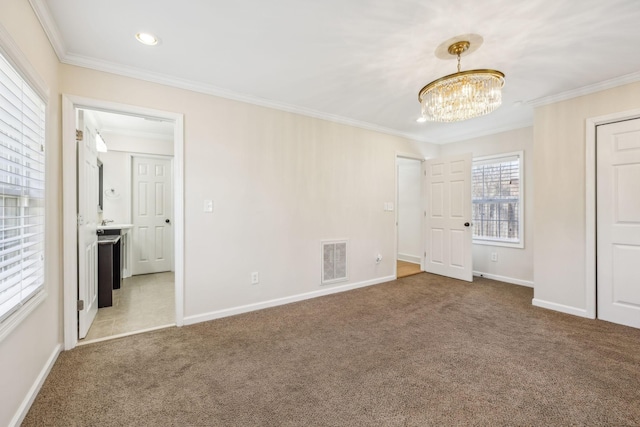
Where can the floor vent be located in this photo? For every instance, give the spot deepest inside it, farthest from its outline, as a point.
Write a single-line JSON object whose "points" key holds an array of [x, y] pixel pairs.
{"points": [[334, 261]]}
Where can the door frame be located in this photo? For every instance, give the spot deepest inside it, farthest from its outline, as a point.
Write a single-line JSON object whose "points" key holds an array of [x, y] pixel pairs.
{"points": [[69, 220], [590, 202], [421, 159]]}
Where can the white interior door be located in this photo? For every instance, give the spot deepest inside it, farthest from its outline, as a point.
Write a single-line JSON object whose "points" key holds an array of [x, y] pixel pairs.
{"points": [[152, 215], [448, 219], [618, 222], [87, 223]]}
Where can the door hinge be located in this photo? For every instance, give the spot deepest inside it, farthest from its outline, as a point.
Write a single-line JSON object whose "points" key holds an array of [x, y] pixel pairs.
{"points": [[80, 305], [80, 220], [79, 135]]}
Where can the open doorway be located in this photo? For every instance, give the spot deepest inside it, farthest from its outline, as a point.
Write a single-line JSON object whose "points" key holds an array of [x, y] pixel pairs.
{"points": [[132, 221], [138, 178], [409, 216]]}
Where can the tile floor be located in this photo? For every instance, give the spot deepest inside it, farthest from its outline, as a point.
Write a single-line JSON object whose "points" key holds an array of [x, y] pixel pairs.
{"points": [[142, 302]]}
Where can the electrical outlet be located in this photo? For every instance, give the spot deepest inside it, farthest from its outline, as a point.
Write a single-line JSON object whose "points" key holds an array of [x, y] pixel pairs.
{"points": [[378, 258], [494, 256], [255, 279]]}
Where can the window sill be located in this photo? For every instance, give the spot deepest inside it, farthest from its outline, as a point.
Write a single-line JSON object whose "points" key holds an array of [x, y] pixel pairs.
{"points": [[515, 245]]}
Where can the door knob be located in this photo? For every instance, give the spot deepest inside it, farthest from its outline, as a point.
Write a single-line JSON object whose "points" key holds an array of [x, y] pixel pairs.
{"points": [[466, 224], [168, 221]]}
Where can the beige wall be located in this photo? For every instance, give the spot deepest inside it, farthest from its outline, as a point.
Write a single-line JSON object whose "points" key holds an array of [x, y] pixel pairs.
{"points": [[280, 183], [514, 264], [25, 351], [559, 194]]}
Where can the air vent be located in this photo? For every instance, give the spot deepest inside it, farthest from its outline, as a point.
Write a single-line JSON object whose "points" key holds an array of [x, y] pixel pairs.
{"points": [[334, 261]]}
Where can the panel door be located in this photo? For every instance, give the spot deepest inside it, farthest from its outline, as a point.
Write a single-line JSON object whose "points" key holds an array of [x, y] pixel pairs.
{"points": [[618, 222], [152, 213], [87, 226], [448, 218]]}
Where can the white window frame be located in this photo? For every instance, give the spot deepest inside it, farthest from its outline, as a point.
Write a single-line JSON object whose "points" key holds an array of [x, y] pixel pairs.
{"points": [[16, 58], [500, 242]]}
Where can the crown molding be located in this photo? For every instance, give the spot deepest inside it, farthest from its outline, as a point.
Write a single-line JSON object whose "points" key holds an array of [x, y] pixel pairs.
{"points": [[585, 90], [194, 86], [49, 26]]}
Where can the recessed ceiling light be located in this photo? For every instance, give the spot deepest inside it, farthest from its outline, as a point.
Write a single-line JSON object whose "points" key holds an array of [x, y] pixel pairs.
{"points": [[147, 38], [421, 119]]}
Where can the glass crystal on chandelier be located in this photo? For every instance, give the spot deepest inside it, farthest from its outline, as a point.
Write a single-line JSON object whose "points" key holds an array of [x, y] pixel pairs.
{"points": [[462, 96]]}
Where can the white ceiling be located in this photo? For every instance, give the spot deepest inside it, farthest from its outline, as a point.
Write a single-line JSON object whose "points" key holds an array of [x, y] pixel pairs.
{"points": [[141, 127], [356, 61]]}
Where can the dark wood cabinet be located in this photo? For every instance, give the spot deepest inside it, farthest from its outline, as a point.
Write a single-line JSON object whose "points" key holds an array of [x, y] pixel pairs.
{"points": [[109, 267]]}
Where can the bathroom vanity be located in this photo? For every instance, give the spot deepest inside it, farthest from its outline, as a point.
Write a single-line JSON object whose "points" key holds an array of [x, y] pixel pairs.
{"points": [[113, 260]]}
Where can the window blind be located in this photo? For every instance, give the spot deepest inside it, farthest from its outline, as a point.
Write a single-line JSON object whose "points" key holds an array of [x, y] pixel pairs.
{"points": [[496, 199], [22, 168]]}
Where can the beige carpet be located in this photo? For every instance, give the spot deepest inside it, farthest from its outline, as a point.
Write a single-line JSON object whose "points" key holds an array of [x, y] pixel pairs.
{"points": [[419, 351]]}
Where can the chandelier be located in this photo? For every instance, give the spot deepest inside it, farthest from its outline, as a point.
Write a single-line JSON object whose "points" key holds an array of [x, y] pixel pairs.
{"points": [[463, 95]]}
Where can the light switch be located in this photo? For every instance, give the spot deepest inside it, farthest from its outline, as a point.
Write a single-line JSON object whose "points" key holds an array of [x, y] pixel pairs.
{"points": [[208, 205]]}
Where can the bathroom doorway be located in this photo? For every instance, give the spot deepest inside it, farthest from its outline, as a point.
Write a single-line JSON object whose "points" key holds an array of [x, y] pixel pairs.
{"points": [[135, 157], [138, 302]]}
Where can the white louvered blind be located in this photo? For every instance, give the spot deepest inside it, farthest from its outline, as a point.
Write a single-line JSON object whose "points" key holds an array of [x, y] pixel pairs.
{"points": [[496, 199], [22, 137]]}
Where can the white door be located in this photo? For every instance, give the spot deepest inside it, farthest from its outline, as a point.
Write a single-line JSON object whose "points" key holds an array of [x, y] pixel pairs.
{"points": [[448, 219], [87, 223], [152, 214], [618, 222]]}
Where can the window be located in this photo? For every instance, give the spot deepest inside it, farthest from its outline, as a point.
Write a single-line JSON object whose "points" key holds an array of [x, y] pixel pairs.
{"points": [[22, 168], [496, 195]]}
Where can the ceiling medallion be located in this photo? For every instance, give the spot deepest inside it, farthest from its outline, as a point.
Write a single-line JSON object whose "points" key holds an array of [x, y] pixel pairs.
{"points": [[463, 95]]}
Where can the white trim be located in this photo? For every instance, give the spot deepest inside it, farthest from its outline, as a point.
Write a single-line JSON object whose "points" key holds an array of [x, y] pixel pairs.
{"points": [[69, 104], [190, 320], [49, 26], [520, 282], [590, 201], [413, 259], [19, 61], [581, 312], [126, 334], [585, 90], [24, 407]]}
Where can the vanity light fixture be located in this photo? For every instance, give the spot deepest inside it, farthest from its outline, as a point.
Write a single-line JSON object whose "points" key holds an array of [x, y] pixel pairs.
{"points": [[147, 39]]}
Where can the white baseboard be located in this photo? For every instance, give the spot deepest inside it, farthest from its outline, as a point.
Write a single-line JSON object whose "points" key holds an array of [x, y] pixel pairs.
{"points": [[581, 312], [190, 320], [35, 388], [409, 258], [505, 279]]}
